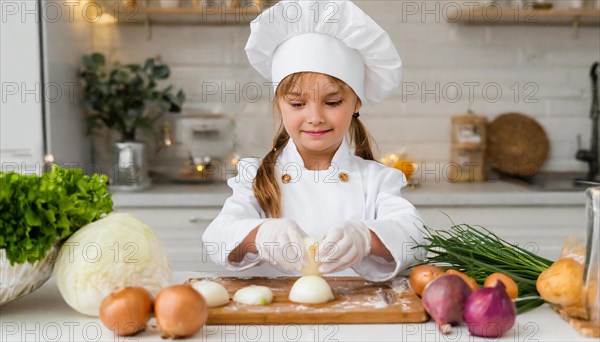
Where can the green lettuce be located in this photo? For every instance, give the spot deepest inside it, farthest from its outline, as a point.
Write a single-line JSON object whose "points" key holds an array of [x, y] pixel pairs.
{"points": [[37, 211]]}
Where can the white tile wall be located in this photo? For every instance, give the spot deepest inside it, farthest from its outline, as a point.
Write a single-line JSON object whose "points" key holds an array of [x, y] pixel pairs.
{"points": [[546, 63]]}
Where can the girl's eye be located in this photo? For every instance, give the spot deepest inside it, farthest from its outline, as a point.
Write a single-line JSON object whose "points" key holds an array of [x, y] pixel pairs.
{"points": [[296, 104], [334, 103]]}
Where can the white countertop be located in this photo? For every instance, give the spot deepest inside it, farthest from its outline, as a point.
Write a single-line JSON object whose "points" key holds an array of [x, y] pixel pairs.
{"points": [[44, 316], [428, 194]]}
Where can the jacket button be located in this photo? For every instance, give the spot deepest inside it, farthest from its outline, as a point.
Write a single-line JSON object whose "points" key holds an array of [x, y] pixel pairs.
{"points": [[343, 176], [286, 178]]}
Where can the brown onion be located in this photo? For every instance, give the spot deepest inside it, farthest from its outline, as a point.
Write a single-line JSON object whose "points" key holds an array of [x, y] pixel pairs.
{"points": [[126, 310], [421, 275], [470, 281], [180, 311], [512, 290]]}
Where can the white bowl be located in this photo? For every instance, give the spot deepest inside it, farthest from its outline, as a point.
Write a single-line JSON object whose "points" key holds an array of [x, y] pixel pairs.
{"points": [[20, 279]]}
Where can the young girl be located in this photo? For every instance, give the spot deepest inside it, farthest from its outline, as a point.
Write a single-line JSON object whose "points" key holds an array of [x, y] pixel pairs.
{"points": [[319, 180]]}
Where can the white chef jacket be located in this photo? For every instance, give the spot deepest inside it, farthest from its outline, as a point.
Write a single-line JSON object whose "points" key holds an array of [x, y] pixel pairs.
{"points": [[351, 189]]}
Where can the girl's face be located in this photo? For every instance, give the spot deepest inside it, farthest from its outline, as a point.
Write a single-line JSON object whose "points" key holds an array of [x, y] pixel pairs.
{"points": [[317, 113]]}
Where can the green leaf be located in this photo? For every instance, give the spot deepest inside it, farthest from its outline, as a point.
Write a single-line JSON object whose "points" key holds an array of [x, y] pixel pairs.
{"points": [[149, 64], [37, 211], [88, 63], [161, 72], [98, 59], [32, 218]]}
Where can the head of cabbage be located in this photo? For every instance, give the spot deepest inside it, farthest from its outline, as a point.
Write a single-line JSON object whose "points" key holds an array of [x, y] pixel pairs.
{"points": [[116, 251]]}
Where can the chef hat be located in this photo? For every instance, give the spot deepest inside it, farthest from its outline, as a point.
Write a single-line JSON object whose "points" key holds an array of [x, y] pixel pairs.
{"points": [[331, 37]]}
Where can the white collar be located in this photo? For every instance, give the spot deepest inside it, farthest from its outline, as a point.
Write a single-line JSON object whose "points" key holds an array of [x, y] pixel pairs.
{"points": [[341, 158]]}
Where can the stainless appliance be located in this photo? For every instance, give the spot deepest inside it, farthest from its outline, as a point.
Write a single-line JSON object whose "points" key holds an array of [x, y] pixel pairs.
{"points": [[592, 155], [202, 149]]}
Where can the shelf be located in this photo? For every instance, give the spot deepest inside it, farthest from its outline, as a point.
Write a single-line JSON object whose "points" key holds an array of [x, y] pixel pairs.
{"points": [[490, 15], [189, 16], [200, 12], [477, 15]]}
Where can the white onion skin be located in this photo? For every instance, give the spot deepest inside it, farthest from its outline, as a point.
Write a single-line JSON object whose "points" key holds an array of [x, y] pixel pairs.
{"points": [[180, 311], [490, 312]]}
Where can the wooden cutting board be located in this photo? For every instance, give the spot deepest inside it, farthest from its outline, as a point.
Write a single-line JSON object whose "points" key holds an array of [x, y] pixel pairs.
{"points": [[357, 301]]}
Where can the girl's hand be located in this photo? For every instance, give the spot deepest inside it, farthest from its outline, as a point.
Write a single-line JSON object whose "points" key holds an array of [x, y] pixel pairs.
{"points": [[280, 243], [345, 244]]}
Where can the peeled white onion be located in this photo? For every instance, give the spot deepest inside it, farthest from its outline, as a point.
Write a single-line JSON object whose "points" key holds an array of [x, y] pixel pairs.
{"points": [[311, 289], [214, 293], [254, 295]]}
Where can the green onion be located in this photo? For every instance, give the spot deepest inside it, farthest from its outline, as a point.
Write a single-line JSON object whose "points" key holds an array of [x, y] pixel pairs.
{"points": [[478, 252]]}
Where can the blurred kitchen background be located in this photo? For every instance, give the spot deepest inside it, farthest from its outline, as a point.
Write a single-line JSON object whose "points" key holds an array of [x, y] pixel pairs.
{"points": [[451, 66], [467, 64]]}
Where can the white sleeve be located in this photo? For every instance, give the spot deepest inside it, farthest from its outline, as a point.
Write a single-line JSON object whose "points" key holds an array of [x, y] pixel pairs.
{"points": [[398, 225], [241, 213]]}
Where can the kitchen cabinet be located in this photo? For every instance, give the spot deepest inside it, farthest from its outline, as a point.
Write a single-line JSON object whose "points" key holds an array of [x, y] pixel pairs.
{"points": [[539, 221], [180, 231], [540, 229]]}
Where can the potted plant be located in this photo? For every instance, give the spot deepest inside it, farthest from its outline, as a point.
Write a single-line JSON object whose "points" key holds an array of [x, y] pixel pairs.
{"points": [[126, 98]]}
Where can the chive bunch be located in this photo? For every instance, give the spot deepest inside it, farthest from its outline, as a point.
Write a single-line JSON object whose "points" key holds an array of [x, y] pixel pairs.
{"points": [[478, 252]]}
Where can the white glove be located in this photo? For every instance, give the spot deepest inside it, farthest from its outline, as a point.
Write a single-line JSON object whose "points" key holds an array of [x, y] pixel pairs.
{"points": [[280, 243], [346, 244]]}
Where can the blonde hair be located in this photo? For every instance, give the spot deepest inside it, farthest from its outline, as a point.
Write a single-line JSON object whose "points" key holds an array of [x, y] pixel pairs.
{"points": [[265, 186]]}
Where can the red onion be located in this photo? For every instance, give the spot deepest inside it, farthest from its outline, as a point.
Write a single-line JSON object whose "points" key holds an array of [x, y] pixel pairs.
{"points": [[444, 299], [489, 312]]}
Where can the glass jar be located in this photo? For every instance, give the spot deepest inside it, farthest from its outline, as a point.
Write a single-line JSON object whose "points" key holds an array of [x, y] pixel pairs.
{"points": [[592, 260]]}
